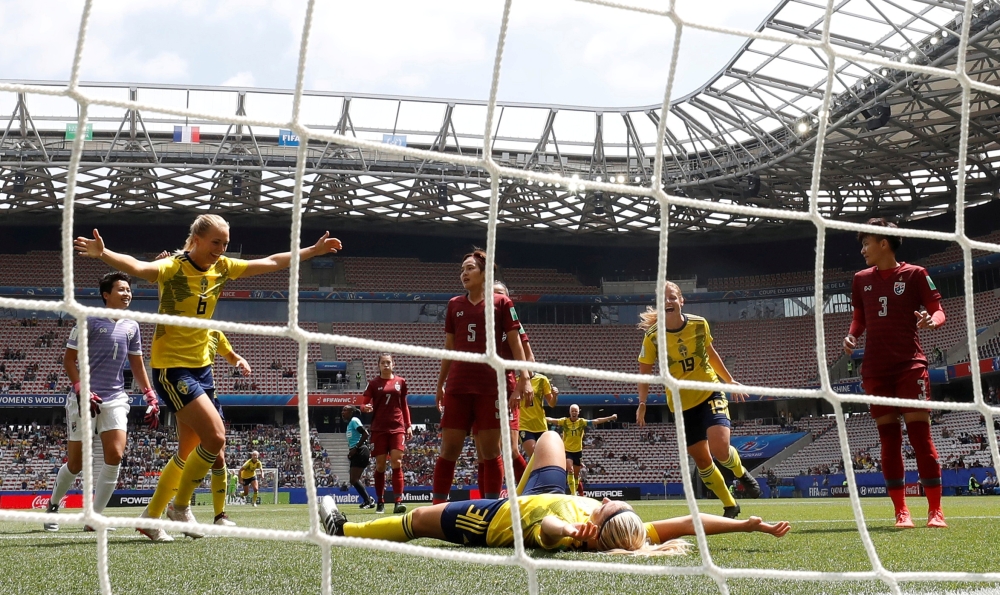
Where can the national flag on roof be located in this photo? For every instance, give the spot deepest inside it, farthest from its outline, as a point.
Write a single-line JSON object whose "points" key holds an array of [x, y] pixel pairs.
{"points": [[186, 134]]}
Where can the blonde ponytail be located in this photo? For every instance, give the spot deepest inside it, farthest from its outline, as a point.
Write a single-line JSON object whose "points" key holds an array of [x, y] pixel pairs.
{"points": [[624, 533], [201, 226]]}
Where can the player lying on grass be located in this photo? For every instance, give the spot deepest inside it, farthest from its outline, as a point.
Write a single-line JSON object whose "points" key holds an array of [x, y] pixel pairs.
{"points": [[691, 356], [550, 519]]}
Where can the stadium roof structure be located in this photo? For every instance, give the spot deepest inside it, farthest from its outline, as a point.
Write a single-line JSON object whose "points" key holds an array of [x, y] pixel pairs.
{"points": [[747, 136]]}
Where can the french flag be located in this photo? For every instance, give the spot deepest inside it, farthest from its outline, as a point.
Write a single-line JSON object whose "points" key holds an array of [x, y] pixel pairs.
{"points": [[186, 134]]}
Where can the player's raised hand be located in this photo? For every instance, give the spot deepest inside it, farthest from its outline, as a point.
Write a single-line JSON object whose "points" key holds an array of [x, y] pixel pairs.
{"points": [[91, 248], [850, 343], [925, 320], [326, 245], [162, 255]]}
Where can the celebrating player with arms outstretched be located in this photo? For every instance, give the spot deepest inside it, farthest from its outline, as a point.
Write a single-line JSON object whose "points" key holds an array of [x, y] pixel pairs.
{"points": [[190, 284], [385, 397], [112, 344], [691, 356], [887, 302], [550, 519], [573, 428], [470, 400]]}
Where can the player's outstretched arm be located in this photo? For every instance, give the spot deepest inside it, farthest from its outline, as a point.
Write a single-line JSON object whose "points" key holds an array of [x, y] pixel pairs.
{"points": [[604, 420], [668, 529], [238, 361], [95, 248], [276, 262]]}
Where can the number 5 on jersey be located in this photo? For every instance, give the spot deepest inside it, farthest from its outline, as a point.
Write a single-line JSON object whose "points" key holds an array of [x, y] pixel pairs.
{"points": [[472, 333]]}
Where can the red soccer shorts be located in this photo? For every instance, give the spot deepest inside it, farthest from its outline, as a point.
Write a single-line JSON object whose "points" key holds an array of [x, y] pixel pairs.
{"points": [[914, 384], [384, 442], [470, 412]]}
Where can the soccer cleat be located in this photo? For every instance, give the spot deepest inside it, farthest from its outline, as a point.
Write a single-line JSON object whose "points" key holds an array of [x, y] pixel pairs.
{"points": [[380, 508], [751, 489], [333, 520], [184, 515], [904, 521], [255, 503], [935, 519], [51, 527], [158, 535], [399, 508], [731, 512], [89, 529], [367, 505], [222, 519]]}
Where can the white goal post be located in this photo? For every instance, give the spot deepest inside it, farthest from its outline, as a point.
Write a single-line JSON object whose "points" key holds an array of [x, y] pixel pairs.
{"points": [[267, 486]]}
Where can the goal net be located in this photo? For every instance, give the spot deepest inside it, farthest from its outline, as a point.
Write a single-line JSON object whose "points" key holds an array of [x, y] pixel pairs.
{"points": [[268, 487], [809, 134]]}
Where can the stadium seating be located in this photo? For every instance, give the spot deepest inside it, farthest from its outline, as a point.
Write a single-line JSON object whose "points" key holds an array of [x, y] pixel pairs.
{"points": [[259, 351], [414, 275], [958, 435]]}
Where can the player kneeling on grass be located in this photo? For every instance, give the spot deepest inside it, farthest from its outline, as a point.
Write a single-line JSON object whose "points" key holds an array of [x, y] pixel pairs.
{"points": [[550, 519], [111, 344], [691, 356], [887, 302]]}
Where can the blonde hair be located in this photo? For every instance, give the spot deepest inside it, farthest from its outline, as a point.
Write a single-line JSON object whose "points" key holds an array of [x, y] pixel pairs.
{"points": [[624, 533], [648, 318], [201, 226]]}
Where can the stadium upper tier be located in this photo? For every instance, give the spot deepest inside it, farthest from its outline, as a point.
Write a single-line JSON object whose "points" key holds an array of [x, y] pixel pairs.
{"points": [[746, 137]]}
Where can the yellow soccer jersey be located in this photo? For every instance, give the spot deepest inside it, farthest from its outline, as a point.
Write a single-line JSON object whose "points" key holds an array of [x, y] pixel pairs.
{"points": [[218, 344], [250, 468], [186, 290], [532, 417], [572, 509], [687, 356], [572, 432]]}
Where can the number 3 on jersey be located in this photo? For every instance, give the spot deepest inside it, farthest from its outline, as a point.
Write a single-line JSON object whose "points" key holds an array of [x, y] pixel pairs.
{"points": [[884, 310]]}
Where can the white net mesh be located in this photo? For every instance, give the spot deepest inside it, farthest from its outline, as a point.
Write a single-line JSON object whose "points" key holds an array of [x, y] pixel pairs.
{"points": [[519, 557]]}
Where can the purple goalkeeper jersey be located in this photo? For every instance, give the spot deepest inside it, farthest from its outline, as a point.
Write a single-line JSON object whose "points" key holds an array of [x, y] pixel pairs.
{"points": [[109, 344]]}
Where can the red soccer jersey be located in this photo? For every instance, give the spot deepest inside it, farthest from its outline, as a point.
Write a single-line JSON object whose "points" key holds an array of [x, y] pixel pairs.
{"points": [[467, 321], [390, 413], [885, 307]]}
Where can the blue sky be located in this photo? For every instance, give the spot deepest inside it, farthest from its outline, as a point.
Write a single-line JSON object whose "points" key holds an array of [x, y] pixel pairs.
{"points": [[558, 51]]}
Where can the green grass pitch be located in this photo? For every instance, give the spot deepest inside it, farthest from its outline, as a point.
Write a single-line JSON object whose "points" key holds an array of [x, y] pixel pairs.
{"points": [[823, 537]]}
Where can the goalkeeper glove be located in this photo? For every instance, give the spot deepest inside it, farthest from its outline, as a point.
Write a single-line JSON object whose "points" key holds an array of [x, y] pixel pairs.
{"points": [[153, 408], [95, 401]]}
